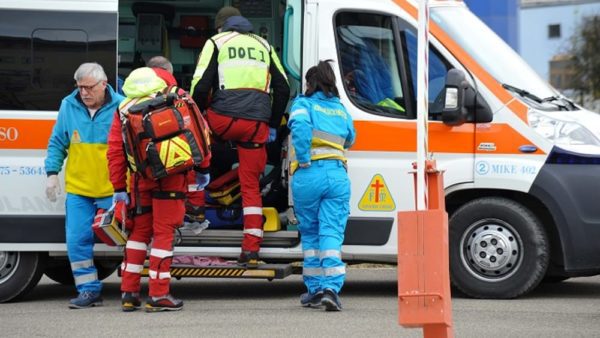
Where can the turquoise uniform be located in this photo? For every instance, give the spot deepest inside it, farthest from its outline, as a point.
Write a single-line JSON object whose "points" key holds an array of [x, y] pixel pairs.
{"points": [[321, 130]]}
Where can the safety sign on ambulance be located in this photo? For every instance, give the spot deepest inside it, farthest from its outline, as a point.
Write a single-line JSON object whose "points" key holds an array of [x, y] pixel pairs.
{"points": [[377, 197]]}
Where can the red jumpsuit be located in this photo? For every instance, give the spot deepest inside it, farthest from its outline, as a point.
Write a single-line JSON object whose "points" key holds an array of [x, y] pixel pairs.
{"points": [[244, 112], [250, 137], [156, 219]]}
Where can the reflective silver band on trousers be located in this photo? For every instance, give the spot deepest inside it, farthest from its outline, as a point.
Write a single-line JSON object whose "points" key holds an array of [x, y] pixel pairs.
{"points": [[88, 263], [87, 278], [310, 253]]}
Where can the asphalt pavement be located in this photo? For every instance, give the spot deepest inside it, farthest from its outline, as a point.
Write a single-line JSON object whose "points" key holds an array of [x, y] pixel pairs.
{"points": [[259, 308]]}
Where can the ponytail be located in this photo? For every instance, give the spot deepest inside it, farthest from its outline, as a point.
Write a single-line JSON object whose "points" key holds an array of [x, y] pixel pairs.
{"points": [[321, 78]]}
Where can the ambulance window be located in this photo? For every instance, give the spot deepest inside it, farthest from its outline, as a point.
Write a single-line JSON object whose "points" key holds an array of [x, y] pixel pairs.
{"points": [[438, 68], [369, 62], [40, 51]]}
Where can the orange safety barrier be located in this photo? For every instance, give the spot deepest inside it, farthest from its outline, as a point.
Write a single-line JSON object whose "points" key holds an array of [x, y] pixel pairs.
{"points": [[423, 263]]}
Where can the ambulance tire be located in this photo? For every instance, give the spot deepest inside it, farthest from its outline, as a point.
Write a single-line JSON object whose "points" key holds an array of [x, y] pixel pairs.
{"points": [[61, 272], [20, 272], [498, 249]]}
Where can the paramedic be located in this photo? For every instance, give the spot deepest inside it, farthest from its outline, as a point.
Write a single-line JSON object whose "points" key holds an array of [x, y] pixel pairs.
{"points": [[239, 69], [195, 202], [158, 205], [81, 131], [321, 131]]}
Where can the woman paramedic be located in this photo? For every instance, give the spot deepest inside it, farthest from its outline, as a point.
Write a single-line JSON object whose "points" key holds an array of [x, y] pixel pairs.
{"points": [[321, 130]]}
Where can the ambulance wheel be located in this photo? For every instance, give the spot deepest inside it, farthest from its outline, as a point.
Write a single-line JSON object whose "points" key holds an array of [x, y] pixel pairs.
{"points": [[498, 249], [60, 271], [19, 273]]}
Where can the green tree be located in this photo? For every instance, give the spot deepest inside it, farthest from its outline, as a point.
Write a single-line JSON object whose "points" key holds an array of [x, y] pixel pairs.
{"points": [[585, 48]]}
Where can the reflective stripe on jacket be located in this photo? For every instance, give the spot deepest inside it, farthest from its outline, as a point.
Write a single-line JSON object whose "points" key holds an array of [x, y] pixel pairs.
{"points": [[321, 129]]}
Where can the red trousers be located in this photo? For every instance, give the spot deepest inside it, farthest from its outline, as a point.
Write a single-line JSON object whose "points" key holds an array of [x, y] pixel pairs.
{"points": [[157, 225], [194, 197], [252, 164]]}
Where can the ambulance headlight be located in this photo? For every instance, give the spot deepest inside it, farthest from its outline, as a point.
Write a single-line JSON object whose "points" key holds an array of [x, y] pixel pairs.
{"points": [[565, 132]]}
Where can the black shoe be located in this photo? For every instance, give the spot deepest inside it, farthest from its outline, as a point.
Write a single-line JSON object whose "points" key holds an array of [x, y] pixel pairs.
{"points": [[130, 301], [311, 299], [163, 303], [249, 259], [331, 300], [194, 213]]}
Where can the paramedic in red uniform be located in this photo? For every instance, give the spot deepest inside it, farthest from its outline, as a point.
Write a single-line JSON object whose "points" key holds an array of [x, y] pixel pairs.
{"points": [[240, 70], [158, 204], [195, 202]]}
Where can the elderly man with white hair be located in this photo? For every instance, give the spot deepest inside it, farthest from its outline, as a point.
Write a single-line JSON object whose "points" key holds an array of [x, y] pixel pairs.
{"points": [[81, 132]]}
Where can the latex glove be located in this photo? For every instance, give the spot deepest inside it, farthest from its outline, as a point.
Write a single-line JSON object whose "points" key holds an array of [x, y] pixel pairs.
{"points": [[121, 196], [52, 188], [202, 180], [272, 134]]}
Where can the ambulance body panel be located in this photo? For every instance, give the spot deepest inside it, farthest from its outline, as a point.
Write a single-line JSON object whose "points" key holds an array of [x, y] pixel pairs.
{"points": [[520, 174]]}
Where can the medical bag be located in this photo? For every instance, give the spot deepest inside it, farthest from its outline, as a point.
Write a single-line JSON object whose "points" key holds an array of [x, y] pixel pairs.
{"points": [[111, 225], [165, 135]]}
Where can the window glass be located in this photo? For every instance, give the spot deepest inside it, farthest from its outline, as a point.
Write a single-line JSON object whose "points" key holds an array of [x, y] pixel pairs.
{"points": [[369, 63], [438, 68], [40, 51]]}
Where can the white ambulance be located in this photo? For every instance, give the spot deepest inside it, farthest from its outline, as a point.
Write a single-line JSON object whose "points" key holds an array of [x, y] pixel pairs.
{"points": [[522, 163]]}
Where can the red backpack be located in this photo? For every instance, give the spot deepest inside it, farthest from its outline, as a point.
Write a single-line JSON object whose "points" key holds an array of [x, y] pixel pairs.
{"points": [[165, 135]]}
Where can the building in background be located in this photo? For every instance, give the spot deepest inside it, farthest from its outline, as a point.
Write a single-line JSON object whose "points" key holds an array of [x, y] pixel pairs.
{"points": [[545, 30], [501, 16]]}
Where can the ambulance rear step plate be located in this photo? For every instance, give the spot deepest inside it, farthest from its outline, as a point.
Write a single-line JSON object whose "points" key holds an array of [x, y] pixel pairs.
{"points": [[265, 271]]}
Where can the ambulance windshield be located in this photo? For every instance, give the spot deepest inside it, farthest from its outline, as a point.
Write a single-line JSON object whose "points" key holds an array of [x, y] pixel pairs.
{"points": [[489, 50]]}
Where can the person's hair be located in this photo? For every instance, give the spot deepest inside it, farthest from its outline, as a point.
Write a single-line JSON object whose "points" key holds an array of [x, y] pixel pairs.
{"points": [[321, 78], [90, 69], [160, 61]]}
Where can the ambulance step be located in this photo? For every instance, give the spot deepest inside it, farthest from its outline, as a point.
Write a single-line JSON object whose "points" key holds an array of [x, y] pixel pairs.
{"points": [[266, 271], [210, 237]]}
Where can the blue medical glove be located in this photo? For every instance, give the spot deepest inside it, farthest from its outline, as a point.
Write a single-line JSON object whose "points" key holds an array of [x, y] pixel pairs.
{"points": [[121, 196], [202, 180], [272, 134]]}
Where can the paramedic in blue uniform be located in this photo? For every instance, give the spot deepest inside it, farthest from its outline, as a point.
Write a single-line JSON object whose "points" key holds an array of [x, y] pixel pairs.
{"points": [[81, 131], [321, 131]]}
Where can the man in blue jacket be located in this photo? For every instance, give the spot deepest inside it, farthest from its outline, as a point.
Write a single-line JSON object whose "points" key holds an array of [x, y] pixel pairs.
{"points": [[81, 132]]}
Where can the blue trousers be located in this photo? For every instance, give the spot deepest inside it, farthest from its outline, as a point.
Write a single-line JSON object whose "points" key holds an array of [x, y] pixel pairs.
{"points": [[321, 195], [80, 212]]}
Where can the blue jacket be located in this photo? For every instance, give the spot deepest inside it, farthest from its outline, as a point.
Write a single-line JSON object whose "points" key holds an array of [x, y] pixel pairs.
{"points": [[321, 128], [84, 140]]}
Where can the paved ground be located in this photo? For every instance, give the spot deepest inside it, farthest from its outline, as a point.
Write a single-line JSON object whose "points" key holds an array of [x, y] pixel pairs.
{"points": [[257, 308]]}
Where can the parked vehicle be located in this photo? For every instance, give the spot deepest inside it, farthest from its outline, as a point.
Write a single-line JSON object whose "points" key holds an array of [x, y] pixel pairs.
{"points": [[522, 163]]}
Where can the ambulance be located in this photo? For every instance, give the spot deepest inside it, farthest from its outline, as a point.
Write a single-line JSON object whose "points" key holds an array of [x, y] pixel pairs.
{"points": [[521, 162]]}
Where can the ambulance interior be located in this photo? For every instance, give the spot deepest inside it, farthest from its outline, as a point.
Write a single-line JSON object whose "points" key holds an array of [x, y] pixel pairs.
{"points": [[178, 30]]}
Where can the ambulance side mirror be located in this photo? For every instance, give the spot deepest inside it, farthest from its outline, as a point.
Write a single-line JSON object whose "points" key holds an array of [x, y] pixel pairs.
{"points": [[454, 112]]}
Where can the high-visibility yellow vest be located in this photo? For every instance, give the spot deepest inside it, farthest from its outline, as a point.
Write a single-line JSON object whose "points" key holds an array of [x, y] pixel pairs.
{"points": [[244, 60]]}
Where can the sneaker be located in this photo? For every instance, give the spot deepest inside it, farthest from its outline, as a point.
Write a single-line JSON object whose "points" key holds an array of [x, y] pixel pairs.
{"points": [[249, 259], [331, 300], [308, 299], [86, 299], [130, 301], [194, 213], [163, 303]]}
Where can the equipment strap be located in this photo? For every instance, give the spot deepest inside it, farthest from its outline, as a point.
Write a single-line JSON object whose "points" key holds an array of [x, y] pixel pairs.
{"points": [[168, 195]]}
